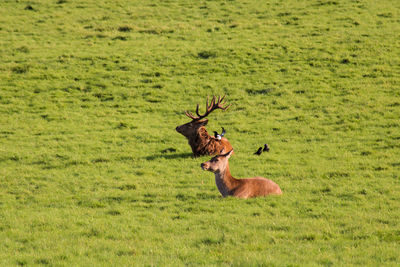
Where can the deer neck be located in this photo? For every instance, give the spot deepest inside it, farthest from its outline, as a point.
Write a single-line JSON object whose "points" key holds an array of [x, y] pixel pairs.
{"points": [[200, 141], [225, 182], [202, 133]]}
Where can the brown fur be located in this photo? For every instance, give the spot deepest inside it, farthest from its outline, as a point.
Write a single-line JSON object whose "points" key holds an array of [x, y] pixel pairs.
{"points": [[242, 188], [200, 141]]}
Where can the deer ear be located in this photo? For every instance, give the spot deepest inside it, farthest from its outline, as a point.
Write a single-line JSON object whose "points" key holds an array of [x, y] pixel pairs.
{"points": [[204, 122], [229, 154]]}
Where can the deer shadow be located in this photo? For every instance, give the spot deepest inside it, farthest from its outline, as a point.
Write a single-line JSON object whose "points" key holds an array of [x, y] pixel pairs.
{"points": [[170, 156]]}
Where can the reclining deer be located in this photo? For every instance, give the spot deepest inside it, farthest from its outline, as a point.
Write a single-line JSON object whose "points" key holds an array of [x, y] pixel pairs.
{"points": [[241, 188], [199, 140]]}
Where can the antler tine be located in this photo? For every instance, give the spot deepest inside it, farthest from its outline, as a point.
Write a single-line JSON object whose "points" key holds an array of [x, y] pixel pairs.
{"points": [[212, 104], [221, 101], [190, 115], [197, 110], [225, 108], [207, 106]]}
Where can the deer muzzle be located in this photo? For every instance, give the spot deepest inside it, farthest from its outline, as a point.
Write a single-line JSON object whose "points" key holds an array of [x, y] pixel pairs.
{"points": [[205, 166]]}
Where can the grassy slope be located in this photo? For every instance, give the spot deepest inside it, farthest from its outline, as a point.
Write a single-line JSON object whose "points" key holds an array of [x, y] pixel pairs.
{"points": [[91, 92]]}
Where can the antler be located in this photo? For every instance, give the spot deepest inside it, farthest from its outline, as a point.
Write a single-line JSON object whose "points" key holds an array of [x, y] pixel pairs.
{"points": [[209, 108]]}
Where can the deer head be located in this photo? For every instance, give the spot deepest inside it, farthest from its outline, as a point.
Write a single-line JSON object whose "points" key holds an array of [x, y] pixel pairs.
{"points": [[190, 129], [217, 164]]}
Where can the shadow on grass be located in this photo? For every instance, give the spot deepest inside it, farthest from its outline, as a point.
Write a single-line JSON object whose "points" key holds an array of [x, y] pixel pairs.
{"points": [[170, 156]]}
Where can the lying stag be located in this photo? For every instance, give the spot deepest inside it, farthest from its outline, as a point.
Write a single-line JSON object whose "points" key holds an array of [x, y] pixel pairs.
{"points": [[199, 140], [242, 188]]}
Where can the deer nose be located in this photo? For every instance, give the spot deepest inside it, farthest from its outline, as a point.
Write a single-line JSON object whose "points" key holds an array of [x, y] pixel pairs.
{"points": [[203, 166]]}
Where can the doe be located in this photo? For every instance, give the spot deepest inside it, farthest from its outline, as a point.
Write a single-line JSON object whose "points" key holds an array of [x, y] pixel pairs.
{"points": [[242, 188]]}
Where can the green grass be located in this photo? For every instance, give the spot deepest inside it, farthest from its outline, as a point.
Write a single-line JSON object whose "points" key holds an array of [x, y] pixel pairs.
{"points": [[92, 171]]}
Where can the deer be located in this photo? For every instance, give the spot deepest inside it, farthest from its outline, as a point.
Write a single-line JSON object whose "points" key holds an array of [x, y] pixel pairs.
{"points": [[198, 138], [240, 188]]}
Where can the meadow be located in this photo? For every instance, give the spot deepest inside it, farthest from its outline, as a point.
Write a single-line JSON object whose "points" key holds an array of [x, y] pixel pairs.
{"points": [[93, 173]]}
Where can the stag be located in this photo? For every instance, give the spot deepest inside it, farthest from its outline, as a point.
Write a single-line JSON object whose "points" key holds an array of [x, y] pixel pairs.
{"points": [[241, 188], [198, 138]]}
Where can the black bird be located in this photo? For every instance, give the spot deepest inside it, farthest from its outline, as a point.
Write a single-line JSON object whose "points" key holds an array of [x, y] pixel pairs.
{"points": [[219, 136], [259, 151], [266, 148]]}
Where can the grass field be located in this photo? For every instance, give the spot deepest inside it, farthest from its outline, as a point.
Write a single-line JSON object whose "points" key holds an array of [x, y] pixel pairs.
{"points": [[93, 173]]}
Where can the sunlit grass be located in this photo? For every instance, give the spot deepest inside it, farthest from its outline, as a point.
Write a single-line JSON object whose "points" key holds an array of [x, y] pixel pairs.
{"points": [[92, 171]]}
